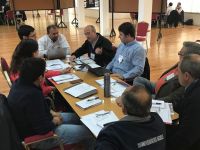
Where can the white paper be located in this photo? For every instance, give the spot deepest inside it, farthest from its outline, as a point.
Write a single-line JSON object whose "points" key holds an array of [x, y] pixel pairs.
{"points": [[88, 61], [94, 65], [116, 88], [65, 78], [164, 113], [95, 121], [56, 64], [158, 103], [89, 102], [79, 89]]}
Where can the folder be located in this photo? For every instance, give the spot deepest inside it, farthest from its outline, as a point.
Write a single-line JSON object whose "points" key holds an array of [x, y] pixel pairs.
{"points": [[81, 90]]}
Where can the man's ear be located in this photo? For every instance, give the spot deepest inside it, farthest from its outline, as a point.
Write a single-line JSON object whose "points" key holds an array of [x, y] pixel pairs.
{"points": [[187, 76]]}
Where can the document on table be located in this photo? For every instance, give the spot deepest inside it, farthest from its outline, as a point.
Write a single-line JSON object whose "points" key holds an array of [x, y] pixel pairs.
{"points": [[116, 87], [96, 121], [163, 109], [89, 102], [81, 90], [65, 78], [93, 65], [56, 64]]}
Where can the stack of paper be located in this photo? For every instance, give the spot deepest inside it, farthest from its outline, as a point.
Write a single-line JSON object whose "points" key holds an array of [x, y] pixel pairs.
{"points": [[116, 88], [81, 90], [65, 78], [89, 102], [96, 121], [93, 65], [163, 109], [56, 64]]}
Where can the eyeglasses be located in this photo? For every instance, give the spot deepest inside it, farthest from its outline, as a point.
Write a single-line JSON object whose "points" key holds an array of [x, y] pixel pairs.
{"points": [[180, 53]]}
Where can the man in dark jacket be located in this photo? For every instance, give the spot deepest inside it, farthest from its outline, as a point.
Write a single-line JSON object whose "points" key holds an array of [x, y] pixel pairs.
{"points": [[139, 129], [32, 115], [186, 135], [96, 46], [167, 87]]}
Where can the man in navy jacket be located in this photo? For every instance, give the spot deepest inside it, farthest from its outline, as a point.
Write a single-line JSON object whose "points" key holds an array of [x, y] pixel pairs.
{"points": [[139, 129]]}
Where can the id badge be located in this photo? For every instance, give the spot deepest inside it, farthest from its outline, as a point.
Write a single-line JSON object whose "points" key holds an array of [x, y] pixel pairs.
{"points": [[170, 76], [92, 56], [120, 59]]}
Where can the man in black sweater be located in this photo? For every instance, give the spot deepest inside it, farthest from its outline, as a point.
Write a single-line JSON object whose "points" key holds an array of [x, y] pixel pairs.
{"points": [[139, 129], [186, 134], [32, 115], [96, 46]]}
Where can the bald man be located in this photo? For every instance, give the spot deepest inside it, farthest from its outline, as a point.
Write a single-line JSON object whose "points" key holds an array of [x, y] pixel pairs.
{"points": [[96, 46], [139, 129]]}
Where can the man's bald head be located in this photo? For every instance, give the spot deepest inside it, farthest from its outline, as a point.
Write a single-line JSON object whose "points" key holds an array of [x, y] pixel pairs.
{"points": [[136, 101]]}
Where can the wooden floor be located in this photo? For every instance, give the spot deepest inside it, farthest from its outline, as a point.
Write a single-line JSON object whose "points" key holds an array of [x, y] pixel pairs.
{"points": [[161, 56]]}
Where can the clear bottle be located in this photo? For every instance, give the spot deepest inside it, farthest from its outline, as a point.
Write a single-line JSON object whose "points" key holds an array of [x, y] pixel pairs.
{"points": [[107, 85]]}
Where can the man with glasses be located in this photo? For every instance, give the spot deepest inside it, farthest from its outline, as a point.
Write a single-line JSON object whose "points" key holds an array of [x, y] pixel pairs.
{"points": [[167, 87]]}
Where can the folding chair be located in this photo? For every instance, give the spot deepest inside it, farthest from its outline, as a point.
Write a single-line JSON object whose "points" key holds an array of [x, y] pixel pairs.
{"points": [[141, 33]]}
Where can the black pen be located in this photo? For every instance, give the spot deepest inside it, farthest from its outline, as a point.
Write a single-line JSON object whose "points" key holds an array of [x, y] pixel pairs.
{"points": [[91, 99], [97, 115]]}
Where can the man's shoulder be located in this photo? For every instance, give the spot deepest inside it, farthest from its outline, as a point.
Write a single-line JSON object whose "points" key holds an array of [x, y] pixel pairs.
{"points": [[43, 38]]}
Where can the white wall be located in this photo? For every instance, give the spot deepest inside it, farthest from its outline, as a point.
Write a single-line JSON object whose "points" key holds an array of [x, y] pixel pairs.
{"points": [[194, 16]]}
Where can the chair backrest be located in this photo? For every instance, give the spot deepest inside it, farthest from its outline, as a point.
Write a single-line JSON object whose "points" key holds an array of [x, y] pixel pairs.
{"points": [[8, 137], [10, 14], [5, 70], [146, 72], [142, 29]]}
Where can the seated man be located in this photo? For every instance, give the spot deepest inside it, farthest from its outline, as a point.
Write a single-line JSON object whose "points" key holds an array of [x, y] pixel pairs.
{"points": [[52, 40], [139, 129], [129, 60], [186, 135], [32, 115], [26, 32], [167, 87], [96, 46]]}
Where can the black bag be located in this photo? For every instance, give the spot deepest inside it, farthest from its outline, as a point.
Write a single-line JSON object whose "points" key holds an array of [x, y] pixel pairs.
{"points": [[189, 22]]}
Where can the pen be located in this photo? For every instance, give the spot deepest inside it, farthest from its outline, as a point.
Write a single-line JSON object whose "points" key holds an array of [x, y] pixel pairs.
{"points": [[91, 99], [103, 114]]}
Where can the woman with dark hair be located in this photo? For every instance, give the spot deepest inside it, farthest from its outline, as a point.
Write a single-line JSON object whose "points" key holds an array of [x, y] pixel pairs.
{"points": [[27, 49]]}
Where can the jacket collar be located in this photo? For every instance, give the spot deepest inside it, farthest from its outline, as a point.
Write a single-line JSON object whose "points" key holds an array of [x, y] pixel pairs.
{"points": [[135, 118]]}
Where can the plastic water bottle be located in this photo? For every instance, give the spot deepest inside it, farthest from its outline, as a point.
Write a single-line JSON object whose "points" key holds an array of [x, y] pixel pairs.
{"points": [[107, 85]]}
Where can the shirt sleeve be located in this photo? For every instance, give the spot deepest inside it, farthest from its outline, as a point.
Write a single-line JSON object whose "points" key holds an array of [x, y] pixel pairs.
{"points": [[138, 61], [41, 46]]}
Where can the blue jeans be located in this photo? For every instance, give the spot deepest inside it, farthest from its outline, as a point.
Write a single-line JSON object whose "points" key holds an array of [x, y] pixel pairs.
{"points": [[150, 86], [69, 132]]}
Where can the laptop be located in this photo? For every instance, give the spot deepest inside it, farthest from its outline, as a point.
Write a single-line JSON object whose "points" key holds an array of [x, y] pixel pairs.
{"points": [[100, 71], [57, 53]]}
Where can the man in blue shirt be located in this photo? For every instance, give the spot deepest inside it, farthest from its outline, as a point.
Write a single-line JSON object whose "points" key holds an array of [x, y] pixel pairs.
{"points": [[129, 60]]}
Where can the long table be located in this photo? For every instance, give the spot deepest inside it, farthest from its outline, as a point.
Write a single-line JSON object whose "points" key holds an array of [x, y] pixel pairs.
{"points": [[108, 104]]}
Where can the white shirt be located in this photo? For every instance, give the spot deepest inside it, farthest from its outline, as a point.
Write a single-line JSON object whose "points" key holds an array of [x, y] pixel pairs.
{"points": [[45, 43], [169, 9]]}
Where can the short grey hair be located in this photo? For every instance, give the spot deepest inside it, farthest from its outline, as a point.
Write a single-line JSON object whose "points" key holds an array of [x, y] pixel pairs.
{"points": [[137, 101], [91, 27], [191, 48], [191, 64]]}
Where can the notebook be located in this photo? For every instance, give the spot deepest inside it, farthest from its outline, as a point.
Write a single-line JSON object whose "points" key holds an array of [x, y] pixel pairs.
{"points": [[81, 90], [56, 53]]}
